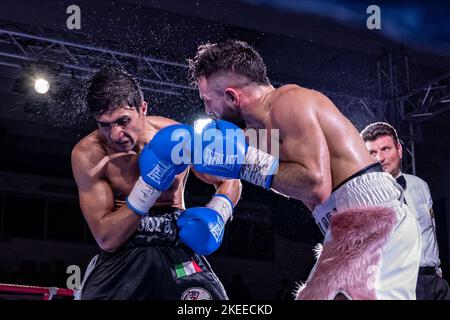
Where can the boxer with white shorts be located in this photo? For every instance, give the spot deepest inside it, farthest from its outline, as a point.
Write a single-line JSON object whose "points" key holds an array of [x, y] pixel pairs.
{"points": [[383, 250], [372, 243]]}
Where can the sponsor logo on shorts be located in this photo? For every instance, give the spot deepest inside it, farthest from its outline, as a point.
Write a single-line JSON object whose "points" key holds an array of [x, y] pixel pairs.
{"points": [[196, 294], [154, 229], [162, 225], [324, 222]]}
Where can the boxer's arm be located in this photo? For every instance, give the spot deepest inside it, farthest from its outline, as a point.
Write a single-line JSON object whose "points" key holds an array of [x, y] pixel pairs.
{"points": [[304, 173], [110, 228], [202, 228], [231, 188]]}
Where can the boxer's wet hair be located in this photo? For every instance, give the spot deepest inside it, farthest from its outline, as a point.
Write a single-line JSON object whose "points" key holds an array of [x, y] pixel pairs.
{"points": [[111, 88], [228, 56], [379, 129]]}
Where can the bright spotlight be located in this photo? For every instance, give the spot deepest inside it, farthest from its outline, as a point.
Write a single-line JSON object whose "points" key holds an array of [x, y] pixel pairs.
{"points": [[201, 123], [41, 86]]}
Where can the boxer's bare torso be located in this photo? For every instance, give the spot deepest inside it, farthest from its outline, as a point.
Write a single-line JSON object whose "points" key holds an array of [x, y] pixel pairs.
{"points": [[120, 169], [308, 117], [105, 176], [314, 137]]}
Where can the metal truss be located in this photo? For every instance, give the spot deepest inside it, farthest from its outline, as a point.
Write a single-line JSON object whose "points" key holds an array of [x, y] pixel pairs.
{"points": [[156, 75], [393, 74], [428, 101], [422, 105], [406, 109], [393, 79], [408, 140]]}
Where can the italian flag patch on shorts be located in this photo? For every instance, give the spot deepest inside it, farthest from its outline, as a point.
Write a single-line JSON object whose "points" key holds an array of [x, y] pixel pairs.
{"points": [[186, 269]]}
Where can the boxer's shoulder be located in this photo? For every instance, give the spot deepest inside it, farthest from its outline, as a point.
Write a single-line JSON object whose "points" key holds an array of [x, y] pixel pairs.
{"points": [[158, 122], [290, 104], [290, 92], [88, 153], [90, 145], [291, 96], [291, 88]]}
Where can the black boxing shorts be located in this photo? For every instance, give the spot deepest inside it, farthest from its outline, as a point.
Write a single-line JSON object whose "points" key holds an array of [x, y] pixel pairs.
{"points": [[152, 265]]}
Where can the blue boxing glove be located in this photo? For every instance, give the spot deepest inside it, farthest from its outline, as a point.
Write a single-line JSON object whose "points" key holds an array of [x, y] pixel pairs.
{"points": [[157, 172], [223, 152], [202, 228], [173, 144]]}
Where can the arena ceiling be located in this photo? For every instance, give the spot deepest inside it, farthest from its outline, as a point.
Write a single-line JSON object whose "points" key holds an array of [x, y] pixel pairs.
{"points": [[299, 45]]}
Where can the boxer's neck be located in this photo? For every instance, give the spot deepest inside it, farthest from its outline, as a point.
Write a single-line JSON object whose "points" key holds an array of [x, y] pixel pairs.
{"points": [[147, 133], [254, 106]]}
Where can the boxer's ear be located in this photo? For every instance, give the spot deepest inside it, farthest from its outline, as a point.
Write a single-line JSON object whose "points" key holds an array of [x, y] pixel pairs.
{"points": [[143, 108], [231, 96]]}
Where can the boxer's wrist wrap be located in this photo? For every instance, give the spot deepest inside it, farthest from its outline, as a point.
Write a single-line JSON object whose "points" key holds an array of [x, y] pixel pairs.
{"points": [[142, 197], [259, 167], [222, 205]]}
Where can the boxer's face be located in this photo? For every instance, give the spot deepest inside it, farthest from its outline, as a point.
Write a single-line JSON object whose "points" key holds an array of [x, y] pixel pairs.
{"points": [[122, 127], [387, 152], [217, 102]]}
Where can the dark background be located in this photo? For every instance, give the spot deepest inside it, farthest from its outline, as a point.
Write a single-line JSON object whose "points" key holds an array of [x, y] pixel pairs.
{"points": [[324, 45]]}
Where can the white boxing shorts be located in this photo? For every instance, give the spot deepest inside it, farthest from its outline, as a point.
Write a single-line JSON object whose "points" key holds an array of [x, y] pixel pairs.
{"points": [[372, 242]]}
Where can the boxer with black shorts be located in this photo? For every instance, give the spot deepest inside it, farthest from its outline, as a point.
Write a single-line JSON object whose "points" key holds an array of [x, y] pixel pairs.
{"points": [[133, 203]]}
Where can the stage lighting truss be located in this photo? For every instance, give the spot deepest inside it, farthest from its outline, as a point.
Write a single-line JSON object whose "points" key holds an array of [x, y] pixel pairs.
{"points": [[427, 102], [155, 75], [410, 107], [413, 105]]}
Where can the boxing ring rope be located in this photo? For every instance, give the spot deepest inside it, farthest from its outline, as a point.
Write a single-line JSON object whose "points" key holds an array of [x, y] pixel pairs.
{"points": [[48, 293]]}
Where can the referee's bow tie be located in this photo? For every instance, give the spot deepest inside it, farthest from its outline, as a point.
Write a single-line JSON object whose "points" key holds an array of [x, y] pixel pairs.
{"points": [[401, 181]]}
